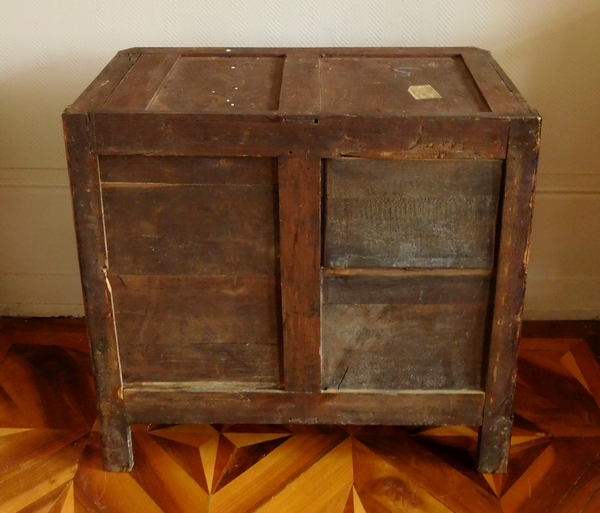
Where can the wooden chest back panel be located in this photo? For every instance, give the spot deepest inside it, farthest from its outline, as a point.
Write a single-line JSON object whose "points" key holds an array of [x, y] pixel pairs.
{"points": [[424, 330], [411, 213]]}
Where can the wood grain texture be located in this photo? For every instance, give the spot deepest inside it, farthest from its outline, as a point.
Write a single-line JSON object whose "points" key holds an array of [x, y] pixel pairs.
{"points": [[231, 84], [265, 136], [300, 86], [411, 213], [139, 86], [87, 207], [497, 95], [198, 328], [104, 84], [191, 229], [300, 228], [188, 170], [379, 85], [417, 331], [55, 466], [193, 405], [513, 258]]}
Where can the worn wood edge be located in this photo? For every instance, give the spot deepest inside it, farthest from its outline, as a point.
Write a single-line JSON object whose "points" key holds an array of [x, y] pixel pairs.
{"points": [[308, 51], [513, 258], [342, 272], [152, 404], [480, 66], [94, 96], [97, 294]]}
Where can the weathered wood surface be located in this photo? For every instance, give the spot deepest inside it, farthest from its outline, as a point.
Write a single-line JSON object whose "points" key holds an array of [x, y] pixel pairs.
{"points": [[333, 136], [411, 213], [156, 404], [513, 258], [187, 328], [143, 80], [87, 209], [227, 85], [96, 94], [300, 228], [416, 332], [191, 229], [188, 170], [380, 85]]}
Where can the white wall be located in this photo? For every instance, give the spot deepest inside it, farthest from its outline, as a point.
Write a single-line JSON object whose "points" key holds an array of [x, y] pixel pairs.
{"points": [[50, 50]]}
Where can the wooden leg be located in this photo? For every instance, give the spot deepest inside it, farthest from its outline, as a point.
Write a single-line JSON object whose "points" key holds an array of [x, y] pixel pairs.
{"points": [[513, 256], [117, 455], [97, 293]]}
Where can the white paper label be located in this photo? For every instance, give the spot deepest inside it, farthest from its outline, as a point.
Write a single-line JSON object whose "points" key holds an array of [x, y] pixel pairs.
{"points": [[423, 92]]}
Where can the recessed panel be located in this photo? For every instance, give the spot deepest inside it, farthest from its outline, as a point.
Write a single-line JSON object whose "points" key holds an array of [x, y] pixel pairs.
{"points": [[399, 85], [409, 213], [221, 84]]}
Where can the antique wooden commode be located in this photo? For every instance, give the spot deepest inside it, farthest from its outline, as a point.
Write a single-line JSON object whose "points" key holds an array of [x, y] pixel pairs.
{"points": [[303, 236]]}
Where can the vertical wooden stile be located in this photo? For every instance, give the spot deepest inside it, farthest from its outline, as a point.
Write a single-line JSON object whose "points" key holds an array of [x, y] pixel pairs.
{"points": [[300, 235], [513, 257]]}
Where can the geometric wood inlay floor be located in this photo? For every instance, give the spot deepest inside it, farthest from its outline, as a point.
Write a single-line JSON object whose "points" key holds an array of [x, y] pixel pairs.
{"points": [[49, 447]]}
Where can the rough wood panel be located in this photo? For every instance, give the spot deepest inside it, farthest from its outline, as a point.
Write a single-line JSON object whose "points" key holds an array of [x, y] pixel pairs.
{"points": [[300, 228], [84, 176], [228, 84], [191, 229], [333, 136], [497, 95], [142, 82], [300, 87], [376, 85], [104, 84], [266, 407], [411, 213], [400, 346], [192, 328], [188, 170], [513, 258], [406, 287]]}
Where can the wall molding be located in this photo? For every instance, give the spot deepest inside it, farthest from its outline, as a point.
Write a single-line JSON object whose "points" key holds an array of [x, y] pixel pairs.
{"points": [[34, 178]]}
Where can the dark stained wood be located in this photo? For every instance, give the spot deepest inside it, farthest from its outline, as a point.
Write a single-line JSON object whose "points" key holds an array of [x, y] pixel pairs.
{"points": [[316, 51], [104, 84], [411, 213], [188, 170], [300, 87], [333, 136], [87, 208], [300, 228], [141, 83], [379, 85], [265, 407], [192, 328], [191, 229], [226, 85], [415, 332], [203, 160], [500, 98], [513, 259], [406, 287]]}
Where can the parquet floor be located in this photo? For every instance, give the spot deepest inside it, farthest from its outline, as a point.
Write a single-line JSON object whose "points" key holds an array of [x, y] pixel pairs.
{"points": [[49, 446]]}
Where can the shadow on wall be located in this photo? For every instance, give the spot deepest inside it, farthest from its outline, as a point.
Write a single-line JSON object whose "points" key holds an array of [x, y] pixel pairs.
{"points": [[559, 72]]}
